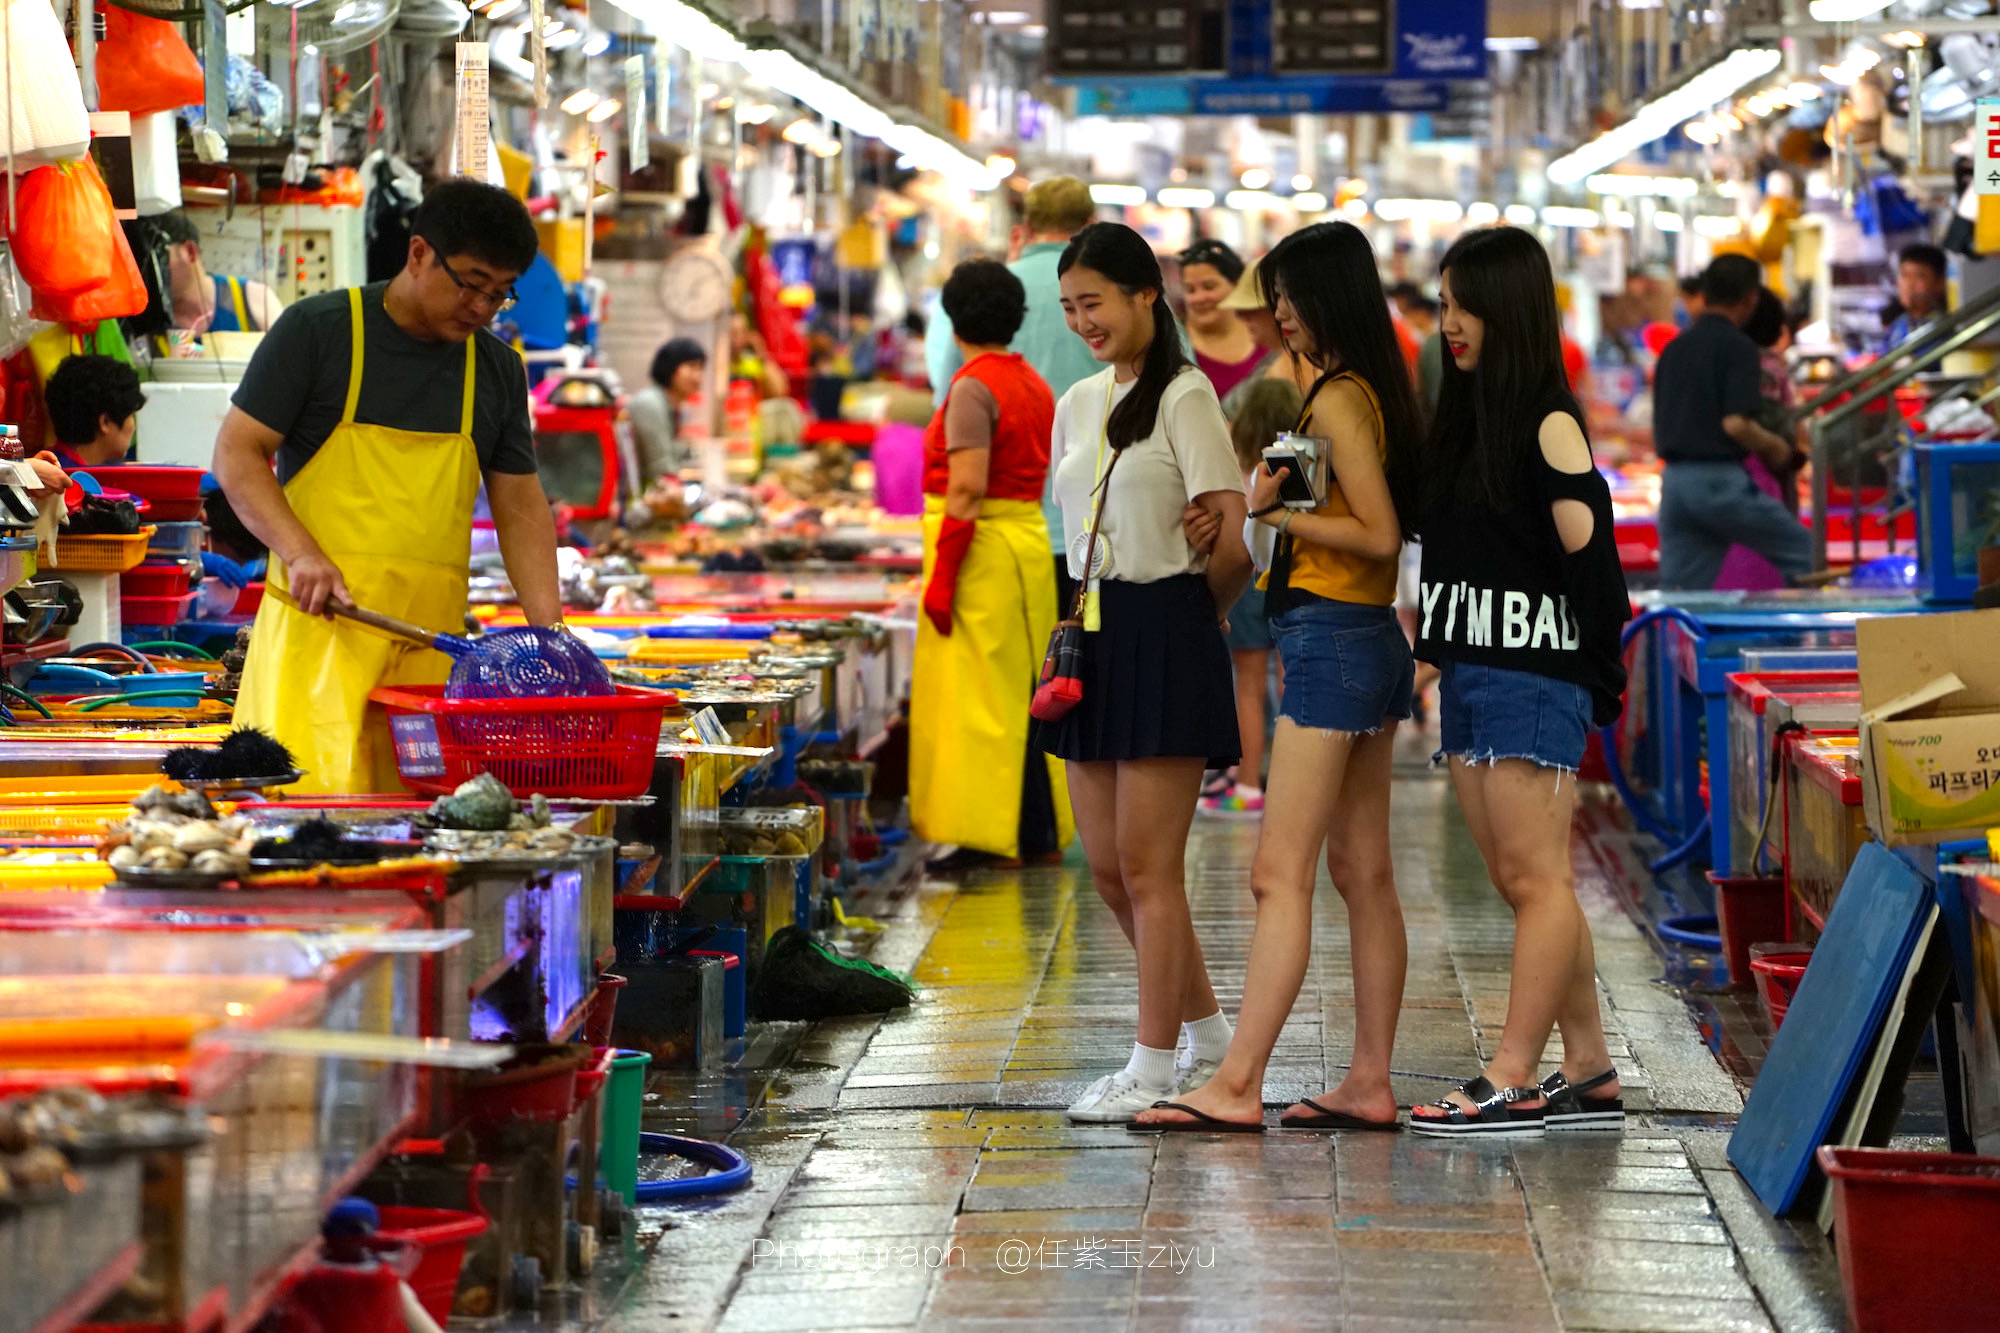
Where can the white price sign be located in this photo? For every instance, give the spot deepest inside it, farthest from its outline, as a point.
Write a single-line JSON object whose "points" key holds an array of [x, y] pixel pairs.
{"points": [[474, 123], [1986, 147]]}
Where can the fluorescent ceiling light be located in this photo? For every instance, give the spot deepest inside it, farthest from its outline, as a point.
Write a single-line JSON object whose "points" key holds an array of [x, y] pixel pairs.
{"points": [[1847, 11], [1034, 30], [1256, 178], [1619, 218], [581, 101], [565, 39], [683, 25], [1355, 209], [1252, 201], [1001, 18], [1654, 119], [1512, 44], [598, 44], [1185, 196], [1309, 201], [604, 110], [801, 82], [1520, 215], [1483, 214], [1001, 165], [801, 131], [1557, 215], [1418, 210], [758, 113], [1118, 196], [1301, 183], [1671, 187], [1669, 222], [1716, 228]]}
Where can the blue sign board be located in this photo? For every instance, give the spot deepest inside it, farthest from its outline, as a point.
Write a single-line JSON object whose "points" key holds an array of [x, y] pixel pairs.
{"points": [[418, 754], [1438, 42]]}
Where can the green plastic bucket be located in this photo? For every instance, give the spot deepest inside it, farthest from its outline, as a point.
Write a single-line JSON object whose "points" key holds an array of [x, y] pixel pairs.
{"points": [[624, 1099]]}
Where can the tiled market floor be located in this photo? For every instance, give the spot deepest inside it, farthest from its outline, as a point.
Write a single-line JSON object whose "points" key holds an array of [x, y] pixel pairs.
{"points": [[917, 1171]]}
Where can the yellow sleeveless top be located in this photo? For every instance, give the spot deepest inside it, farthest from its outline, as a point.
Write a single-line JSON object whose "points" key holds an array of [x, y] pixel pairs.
{"points": [[1343, 576]]}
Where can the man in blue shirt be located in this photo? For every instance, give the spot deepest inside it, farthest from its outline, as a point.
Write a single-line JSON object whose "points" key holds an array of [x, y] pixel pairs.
{"points": [[1053, 211], [1920, 289]]}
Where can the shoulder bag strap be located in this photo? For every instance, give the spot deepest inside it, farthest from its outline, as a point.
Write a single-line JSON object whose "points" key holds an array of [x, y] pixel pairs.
{"points": [[1090, 546]]}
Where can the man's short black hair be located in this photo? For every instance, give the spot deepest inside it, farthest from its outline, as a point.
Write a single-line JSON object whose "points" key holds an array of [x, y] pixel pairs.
{"points": [[986, 303], [462, 216], [1690, 284], [1729, 279], [1929, 256], [178, 228], [85, 388], [227, 532]]}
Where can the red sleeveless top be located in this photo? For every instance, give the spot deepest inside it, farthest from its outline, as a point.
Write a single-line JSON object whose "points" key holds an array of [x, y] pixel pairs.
{"points": [[1019, 463]]}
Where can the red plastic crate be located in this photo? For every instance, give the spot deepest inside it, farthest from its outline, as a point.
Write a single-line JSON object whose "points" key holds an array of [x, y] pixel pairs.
{"points": [[162, 579], [597, 748], [1913, 1230], [175, 492], [152, 611]]}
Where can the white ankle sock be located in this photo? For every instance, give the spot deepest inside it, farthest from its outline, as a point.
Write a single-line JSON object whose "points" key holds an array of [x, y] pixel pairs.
{"points": [[1150, 1067], [1208, 1038]]}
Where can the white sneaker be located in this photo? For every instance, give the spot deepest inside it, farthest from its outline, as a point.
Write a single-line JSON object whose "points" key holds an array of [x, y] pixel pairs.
{"points": [[1190, 1073], [1115, 1099]]}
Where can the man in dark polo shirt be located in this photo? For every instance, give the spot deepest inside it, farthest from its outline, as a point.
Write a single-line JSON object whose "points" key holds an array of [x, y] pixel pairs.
{"points": [[1705, 392]]}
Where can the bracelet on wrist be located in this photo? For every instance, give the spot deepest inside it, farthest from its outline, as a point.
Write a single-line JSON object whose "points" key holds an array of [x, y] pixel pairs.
{"points": [[1267, 509]]}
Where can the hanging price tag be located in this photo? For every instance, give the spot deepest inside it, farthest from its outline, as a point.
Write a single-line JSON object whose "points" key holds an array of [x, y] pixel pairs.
{"points": [[637, 133], [474, 124], [538, 51]]}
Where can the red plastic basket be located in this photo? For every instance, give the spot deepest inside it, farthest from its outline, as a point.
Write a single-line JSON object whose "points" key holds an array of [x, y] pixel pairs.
{"points": [[599, 748], [174, 491], [440, 1234], [154, 580], [1778, 976], [1912, 1230], [155, 611]]}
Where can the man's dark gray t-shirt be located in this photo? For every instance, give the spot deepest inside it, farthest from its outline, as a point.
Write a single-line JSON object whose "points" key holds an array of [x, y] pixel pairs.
{"points": [[296, 383]]}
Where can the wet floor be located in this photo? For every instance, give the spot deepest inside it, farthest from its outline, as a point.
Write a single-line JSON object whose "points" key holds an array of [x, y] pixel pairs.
{"points": [[916, 1171]]}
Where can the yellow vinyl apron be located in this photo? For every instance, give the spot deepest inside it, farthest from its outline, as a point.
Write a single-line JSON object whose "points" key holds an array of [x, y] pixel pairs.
{"points": [[969, 692], [393, 510]]}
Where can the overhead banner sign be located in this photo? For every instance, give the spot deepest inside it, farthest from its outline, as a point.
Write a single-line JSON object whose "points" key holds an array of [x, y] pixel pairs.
{"points": [[1260, 97]]}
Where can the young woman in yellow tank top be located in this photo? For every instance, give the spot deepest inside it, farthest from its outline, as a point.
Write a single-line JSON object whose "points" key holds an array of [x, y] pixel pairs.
{"points": [[1348, 672]]}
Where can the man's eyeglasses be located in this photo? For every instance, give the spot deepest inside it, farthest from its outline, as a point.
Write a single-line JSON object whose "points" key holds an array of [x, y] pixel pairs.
{"points": [[497, 302]]}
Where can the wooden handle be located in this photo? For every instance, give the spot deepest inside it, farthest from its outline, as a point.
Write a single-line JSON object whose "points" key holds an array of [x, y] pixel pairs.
{"points": [[402, 629]]}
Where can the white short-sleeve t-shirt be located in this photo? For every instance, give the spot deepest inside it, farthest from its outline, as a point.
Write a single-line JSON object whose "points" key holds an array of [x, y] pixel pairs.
{"points": [[1187, 455]]}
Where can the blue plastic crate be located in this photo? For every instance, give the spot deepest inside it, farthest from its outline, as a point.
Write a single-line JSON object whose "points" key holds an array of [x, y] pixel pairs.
{"points": [[1955, 516]]}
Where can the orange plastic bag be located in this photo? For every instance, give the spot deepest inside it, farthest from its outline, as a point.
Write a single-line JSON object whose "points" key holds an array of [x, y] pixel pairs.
{"points": [[143, 65], [61, 229], [123, 291]]}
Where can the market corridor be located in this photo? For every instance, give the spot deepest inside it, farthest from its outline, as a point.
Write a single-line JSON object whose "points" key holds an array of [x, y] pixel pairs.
{"points": [[917, 1171]]}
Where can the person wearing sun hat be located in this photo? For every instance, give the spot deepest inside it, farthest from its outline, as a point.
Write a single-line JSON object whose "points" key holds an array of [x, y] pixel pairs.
{"points": [[1248, 303]]}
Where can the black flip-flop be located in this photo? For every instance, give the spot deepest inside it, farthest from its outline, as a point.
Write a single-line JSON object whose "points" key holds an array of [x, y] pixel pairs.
{"points": [[1336, 1120], [1203, 1123]]}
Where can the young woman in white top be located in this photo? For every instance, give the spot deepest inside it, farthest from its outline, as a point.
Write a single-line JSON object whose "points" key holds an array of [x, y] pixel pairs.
{"points": [[1158, 706]]}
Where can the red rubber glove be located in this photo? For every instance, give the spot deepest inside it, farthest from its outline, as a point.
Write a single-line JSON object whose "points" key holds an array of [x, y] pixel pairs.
{"points": [[954, 540]]}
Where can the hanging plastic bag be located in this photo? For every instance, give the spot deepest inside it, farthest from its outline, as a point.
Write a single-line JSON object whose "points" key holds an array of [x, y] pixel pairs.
{"points": [[120, 294], [61, 228], [45, 119], [144, 66]]}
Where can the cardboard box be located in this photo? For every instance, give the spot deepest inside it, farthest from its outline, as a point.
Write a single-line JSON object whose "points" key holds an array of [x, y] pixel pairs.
{"points": [[1930, 725]]}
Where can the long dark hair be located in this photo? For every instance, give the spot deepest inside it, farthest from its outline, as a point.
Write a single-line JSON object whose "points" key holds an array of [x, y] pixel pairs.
{"points": [[1489, 417], [1327, 272], [1122, 255]]}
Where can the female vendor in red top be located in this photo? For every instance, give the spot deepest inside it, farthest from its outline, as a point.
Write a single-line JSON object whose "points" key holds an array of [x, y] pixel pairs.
{"points": [[989, 594]]}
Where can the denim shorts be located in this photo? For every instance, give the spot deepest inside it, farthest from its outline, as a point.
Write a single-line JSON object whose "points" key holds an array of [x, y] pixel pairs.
{"points": [[1347, 666], [1488, 713], [1249, 629]]}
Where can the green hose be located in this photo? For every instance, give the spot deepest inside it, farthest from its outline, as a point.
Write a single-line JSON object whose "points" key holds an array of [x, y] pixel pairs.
{"points": [[27, 699], [177, 649], [96, 704]]}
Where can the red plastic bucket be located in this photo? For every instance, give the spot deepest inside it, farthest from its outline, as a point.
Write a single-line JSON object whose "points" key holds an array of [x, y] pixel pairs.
{"points": [[1747, 910], [1913, 1230], [1778, 977], [440, 1236], [603, 1007], [543, 1092]]}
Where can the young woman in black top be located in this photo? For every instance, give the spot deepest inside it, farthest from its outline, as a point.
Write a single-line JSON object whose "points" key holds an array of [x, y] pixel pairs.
{"points": [[1522, 603]]}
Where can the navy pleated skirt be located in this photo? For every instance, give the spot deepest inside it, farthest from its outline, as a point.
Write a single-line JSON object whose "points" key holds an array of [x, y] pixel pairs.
{"points": [[1156, 680]]}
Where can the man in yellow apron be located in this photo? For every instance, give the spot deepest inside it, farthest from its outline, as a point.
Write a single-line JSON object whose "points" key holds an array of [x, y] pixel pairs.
{"points": [[383, 407]]}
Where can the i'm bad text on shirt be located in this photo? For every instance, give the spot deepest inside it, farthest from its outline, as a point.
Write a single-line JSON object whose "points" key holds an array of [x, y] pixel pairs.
{"points": [[1525, 621]]}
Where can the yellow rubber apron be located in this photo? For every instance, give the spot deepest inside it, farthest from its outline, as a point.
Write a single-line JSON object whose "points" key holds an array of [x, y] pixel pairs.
{"points": [[393, 510], [969, 693]]}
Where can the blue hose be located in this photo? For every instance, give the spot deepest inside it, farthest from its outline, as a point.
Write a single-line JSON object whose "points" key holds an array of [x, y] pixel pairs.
{"points": [[1683, 930], [1684, 851], [732, 1169]]}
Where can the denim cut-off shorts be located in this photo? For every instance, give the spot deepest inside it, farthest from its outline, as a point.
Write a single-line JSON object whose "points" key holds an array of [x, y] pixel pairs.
{"points": [[1347, 666], [1487, 713]]}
